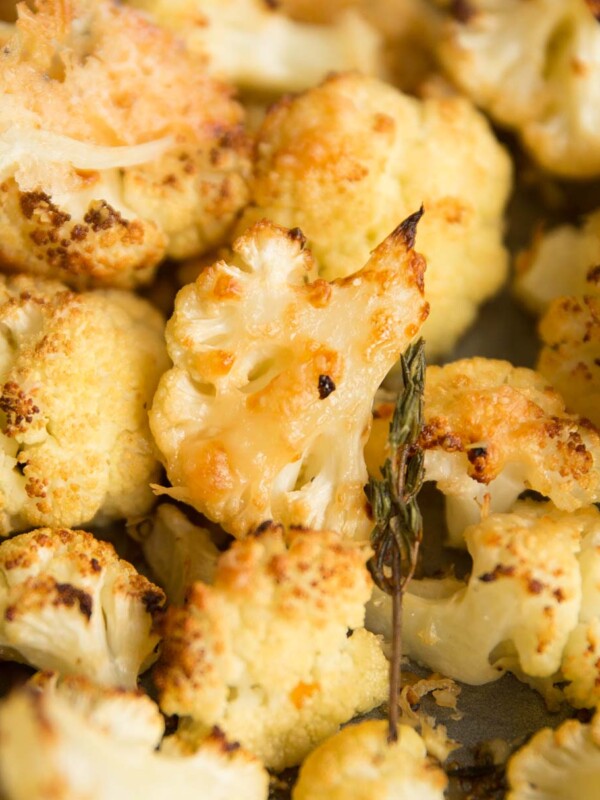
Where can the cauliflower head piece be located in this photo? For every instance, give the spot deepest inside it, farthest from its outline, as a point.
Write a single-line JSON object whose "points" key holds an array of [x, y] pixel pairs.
{"points": [[68, 603], [77, 373], [265, 654], [534, 67], [100, 744], [251, 44], [359, 763], [99, 198], [265, 412], [346, 160]]}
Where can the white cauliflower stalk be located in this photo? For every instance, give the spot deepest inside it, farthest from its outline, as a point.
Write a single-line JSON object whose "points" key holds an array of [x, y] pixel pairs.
{"points": [[346, 160], [360, 764], [77, 374], [115, 149], [265, 413], [99, 744], [252, 44], [68, 603], [535, 67], [265, 652]]}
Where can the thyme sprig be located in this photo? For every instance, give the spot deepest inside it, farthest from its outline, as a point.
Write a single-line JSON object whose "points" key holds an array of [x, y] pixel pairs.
{"points": [[398, 527]]}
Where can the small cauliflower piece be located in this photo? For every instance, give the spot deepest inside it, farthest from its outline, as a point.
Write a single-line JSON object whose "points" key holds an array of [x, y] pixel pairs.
{"points": [[68, 603], [359, 763], [72, 740], [251, 44], [558, 765], [348, 159], [265, 653], [115, 148], [534, 67], [265, 413], [177, 551], [77, 373]]}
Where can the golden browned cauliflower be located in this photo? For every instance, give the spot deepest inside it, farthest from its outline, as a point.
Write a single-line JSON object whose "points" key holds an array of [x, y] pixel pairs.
{"points": [[535, 66], [266, 654], [68, 603], [251, 44], [71, 740], [265, 413], [77, 373], [116, 149], [359, 763], [347, 160]]}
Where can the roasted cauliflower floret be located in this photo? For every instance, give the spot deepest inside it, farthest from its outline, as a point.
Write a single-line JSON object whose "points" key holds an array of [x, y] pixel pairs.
{"points": [[251, 44], [116, 148], [560, 263], [77, 373], [345, 161], [100, 744], [265, 413], [177, 551], [360, 764], [265, 653], [68, 603], [535, 67], [493, 430], [558, 765], [518, 608]]}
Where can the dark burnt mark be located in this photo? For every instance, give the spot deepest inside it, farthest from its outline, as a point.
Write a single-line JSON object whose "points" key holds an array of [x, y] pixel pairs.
{"points": [[594, 7], [95, 565], [101, 217], [499, 571], [79, 233], [476, 452], [326, 386], [153, 601], [18, 407], [593, 274], [263, 527], [535, 586], [296, 235], [407, 230], [227, 747], [272, 4], [462, 11], [40, 201], [69, 595]]}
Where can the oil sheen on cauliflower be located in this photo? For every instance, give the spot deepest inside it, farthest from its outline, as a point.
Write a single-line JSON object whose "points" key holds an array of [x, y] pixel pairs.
{"points": [[347, 160], [77, 373], [251, 44], [68, 603], [115, 148], [534, 66], [359, 763], [558, 765], [265, 652], [98, 744], [530, 595], [265, 413]]}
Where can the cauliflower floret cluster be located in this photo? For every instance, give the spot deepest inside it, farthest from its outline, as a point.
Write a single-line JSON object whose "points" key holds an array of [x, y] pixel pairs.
{"points": [[266, 411], [72, 740], [534, 66], [116, 150], [77, 373], [265, 652], [359, 764], [251, 44], [68, 603], [347, 160]]}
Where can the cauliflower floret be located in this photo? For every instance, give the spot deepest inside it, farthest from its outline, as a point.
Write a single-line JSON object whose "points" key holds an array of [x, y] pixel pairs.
{"points": [[265, 413], [558, 765], [68, 603], [360, 764], [73, 740], [251, 44], [77, 373], [115, 148], [177, 551], [516, 611], [535, 67], [346, 160], [562, 262], [265, 654]]}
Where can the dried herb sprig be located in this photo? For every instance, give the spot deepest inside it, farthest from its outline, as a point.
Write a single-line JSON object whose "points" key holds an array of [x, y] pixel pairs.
{"points": [[398, 524]]}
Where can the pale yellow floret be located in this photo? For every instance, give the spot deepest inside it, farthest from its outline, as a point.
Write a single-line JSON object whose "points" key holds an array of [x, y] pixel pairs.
{"points": [[266, 654], [266, 411], [360, 764]]}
